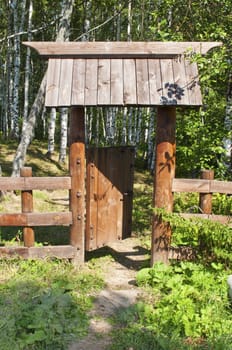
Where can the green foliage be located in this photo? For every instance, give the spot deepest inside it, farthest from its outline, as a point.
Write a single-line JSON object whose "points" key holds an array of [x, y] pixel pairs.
{"points": [[43, 304], [189, 310], [211, 240]]}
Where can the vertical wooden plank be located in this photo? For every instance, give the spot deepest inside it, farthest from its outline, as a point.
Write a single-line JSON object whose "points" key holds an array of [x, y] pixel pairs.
{"points": [[91, 200], [27, 207], [53, 78], [155, 81], [179, 87], [91, 82], [103, 82], [77, 168], [116, 81], [78, 83], [65, 83], [127, 163], [143, 91], [129, 82], [205, 199], [165, 160], [168, 96], [193, 85]]}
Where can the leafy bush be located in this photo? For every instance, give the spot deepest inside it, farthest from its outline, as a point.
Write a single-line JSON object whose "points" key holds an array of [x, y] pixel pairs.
{"points": [[43, 304], [189, 309]]}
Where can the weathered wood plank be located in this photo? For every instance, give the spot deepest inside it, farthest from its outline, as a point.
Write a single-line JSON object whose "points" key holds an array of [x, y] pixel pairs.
{"points": [[129, 82], [179, 87], [104, 82], [78, 83], [221, 187], [91, 82], [155, 81], [65, 83], [120, 49], [168, 94], [35, 183], [191, 185], [116, 80], [223, 219], [193, 85], [143, 93], [53, 78], [202, 186], [91, 199], [61, 252], [36, 219]]}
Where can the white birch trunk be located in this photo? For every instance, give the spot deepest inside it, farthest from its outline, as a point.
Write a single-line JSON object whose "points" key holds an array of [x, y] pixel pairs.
{"points": [[27, 66], [51, 133], [18, 26], [28, 132], [63, 136], [150, 140], [124, 122]]}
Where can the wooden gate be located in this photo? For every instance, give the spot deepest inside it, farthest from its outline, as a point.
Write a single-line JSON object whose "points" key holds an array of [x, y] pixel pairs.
{"points": [[108, 195]]}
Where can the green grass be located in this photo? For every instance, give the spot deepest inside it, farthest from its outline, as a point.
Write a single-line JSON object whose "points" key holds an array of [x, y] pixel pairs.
{"points": [[44, 303]]}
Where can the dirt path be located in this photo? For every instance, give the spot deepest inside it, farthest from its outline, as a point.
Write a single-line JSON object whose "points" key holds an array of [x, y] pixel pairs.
{"points": [[120, 292]]}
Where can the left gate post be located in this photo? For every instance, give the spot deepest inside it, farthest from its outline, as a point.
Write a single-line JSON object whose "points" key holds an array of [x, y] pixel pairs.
{"points": [[77, 169]]}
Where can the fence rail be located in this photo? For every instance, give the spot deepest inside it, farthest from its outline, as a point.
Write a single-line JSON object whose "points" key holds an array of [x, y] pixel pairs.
{"points": [[35, 183], [28, 219], [202, 186], [205, 188]]}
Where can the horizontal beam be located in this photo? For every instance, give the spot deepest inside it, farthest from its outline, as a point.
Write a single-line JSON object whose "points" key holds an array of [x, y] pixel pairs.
{"points": [[222, 219], [202, 186], [36, 219], [34, 183], [120, 49], [62, 252]]}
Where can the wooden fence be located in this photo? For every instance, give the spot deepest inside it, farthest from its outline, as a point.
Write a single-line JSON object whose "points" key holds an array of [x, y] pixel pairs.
{"points": [[28, 219], [205, 186]]}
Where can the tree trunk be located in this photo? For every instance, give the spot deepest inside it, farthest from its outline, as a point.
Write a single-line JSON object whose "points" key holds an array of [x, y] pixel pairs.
{"points": [[28, 132], [18, 26], [28, 66], [63, 135], [51, 133]]}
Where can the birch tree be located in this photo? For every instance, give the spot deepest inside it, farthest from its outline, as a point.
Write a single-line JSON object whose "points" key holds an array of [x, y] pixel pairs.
{"points": [[18, 11], [63, 35], [28, 131]]}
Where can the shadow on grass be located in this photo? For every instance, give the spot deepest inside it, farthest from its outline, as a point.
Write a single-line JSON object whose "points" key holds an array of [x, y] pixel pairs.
{"points": [[125, 258], [50, 235]]}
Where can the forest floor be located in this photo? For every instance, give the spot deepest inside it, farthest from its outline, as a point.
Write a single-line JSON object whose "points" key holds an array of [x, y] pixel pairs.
{"points": [[120, 292]]}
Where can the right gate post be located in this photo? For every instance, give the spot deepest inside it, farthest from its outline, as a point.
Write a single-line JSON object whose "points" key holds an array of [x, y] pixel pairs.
{"points": [[165, 160]]}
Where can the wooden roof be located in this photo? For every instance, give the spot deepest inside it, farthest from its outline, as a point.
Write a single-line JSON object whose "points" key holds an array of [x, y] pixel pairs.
{"points": [[121, 73]]}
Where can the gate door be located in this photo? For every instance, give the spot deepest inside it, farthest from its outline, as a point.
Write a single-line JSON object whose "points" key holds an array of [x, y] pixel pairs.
{"points": [[109, 190]]}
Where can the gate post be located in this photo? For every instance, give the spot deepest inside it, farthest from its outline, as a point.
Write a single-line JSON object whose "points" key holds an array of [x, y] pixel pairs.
{"points": [[77, 169], [27, 207], [205, 199], [165, 160]]}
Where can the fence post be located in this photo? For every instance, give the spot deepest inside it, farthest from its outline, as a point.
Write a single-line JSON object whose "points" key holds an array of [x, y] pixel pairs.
{"points": [[165, 160], [27, 207], [205, 199], [77, 168]]}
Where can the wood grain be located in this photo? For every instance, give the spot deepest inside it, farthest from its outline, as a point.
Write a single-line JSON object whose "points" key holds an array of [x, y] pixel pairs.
{"points": [[120, 49]]}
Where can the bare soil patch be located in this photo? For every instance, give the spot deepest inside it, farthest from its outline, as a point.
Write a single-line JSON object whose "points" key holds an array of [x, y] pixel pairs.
{"points": [[120, 291]]}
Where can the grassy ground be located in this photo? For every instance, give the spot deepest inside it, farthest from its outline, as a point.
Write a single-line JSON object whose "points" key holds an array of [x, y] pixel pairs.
{"points": [[45, 304]]}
